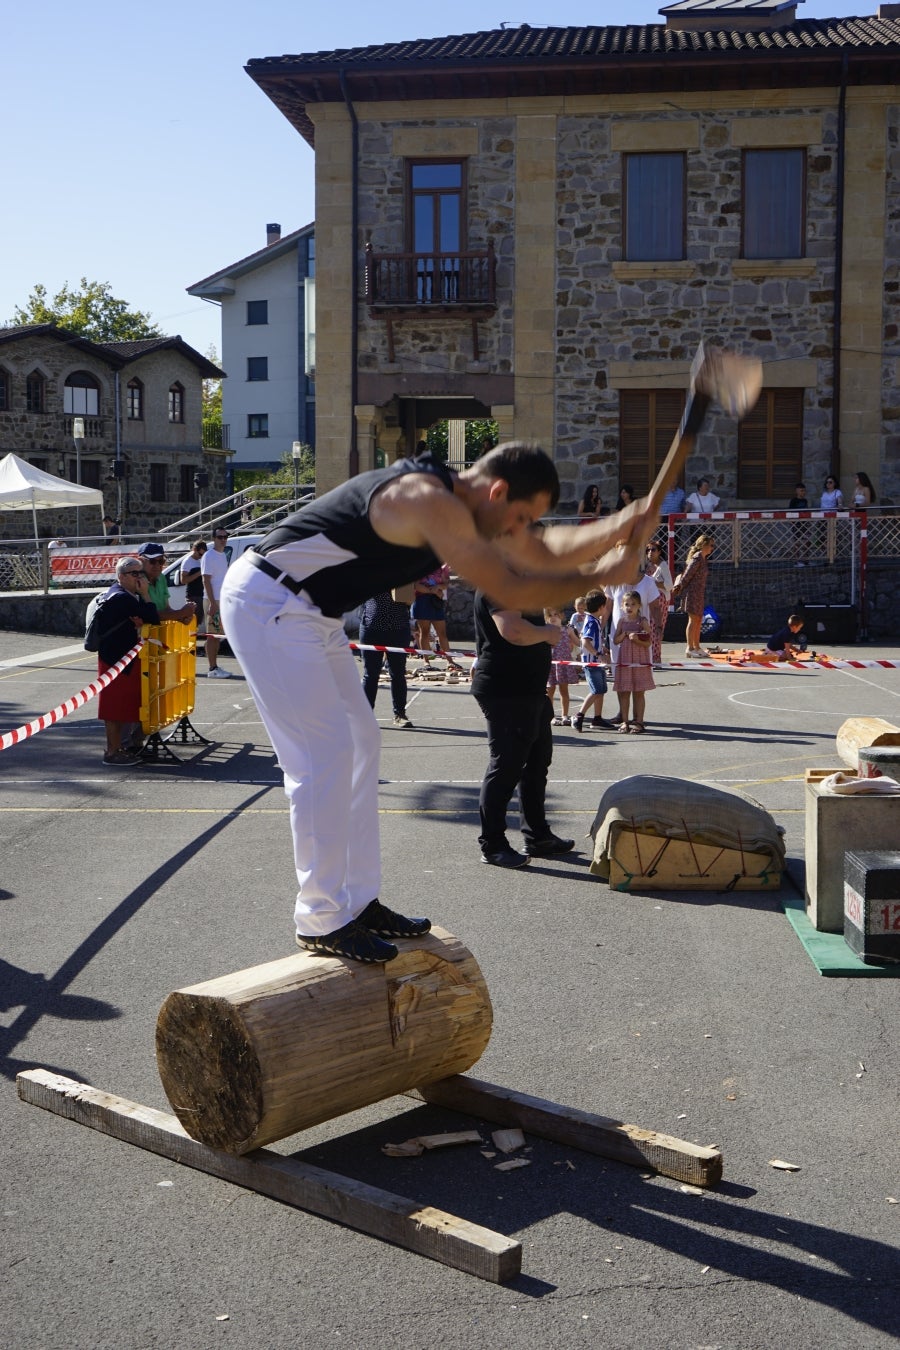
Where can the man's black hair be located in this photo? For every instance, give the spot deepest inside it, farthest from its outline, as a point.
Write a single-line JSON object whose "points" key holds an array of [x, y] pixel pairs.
{"points": [[525, 467]]}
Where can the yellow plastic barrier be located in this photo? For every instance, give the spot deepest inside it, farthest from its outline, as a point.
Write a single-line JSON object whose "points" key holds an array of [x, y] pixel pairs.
{"points": [[168, 674]]}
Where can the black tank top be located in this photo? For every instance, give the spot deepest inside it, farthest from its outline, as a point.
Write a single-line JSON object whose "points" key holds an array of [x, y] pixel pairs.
{"points": [[342, 518]]}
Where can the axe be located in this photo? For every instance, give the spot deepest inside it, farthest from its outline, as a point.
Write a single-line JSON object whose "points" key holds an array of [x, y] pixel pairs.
{"points": [[723, 377]]}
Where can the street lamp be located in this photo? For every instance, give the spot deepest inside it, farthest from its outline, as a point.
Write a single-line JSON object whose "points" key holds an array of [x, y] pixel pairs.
{"points": [[78, 438], [296, 456]]}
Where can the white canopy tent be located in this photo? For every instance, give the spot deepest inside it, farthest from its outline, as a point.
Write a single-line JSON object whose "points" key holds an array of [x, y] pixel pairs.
{"points": [[25, 488]]}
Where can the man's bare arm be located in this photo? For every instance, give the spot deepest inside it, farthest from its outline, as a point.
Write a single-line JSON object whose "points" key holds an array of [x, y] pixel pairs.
{"points": [[521, 632]]}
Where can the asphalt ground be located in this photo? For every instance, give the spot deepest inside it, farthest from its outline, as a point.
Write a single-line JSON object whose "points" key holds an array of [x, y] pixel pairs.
{"points": [[697, 1014]]}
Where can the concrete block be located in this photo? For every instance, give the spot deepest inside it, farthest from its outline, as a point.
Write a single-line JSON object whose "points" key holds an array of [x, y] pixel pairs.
{"points": [[834, 824]]}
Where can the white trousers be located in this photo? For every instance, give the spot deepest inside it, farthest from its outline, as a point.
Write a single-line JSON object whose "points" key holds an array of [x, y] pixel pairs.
{"points": [[307, 687]]}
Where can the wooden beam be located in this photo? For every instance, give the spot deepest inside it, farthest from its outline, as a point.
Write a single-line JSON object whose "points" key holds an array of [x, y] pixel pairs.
{"points": [[429, 1232], [580, 1129]]}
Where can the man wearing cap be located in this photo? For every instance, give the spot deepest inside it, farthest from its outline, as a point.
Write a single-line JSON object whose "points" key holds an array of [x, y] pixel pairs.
{"points": [[153, 556]]}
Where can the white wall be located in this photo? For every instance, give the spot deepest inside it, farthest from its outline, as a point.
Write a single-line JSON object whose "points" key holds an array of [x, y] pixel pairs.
{"points": [[276, 282]]}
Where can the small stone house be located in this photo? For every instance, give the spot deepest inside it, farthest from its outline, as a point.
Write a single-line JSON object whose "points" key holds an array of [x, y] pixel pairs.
{"points": [[541, 224], [139, 404]]}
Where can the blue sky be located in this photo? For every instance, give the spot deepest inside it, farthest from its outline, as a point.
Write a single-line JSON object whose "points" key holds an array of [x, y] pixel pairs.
{"points": [[137, 151]]}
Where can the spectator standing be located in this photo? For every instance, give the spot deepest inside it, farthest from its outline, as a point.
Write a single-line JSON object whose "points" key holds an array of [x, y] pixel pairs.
{"points": [[633, 675], [125, 608], [801, 532], [510, 681], [691, 586], [112, 530], [832, 497], [592, 654], [213, 566], [657, 610], [644, 585], [429, 610], [153, 560], [864, 494], [703, 500], [625, 497], [591, 504], [384, 622], [562, 671], [190, 576], [673, 502]]}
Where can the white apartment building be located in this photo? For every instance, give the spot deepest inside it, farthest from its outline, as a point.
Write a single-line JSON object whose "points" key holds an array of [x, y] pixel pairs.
{"points": [[268, 347]]}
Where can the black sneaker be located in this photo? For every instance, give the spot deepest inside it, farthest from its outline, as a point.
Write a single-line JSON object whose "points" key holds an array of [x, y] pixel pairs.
{"points": [[353, 941], [506, 857], [549, 846], [377, 918], [599, 722], [578, 722]]}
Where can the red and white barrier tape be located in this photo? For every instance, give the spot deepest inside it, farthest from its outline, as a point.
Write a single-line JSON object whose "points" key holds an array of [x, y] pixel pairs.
{"points": [[83, 696]]}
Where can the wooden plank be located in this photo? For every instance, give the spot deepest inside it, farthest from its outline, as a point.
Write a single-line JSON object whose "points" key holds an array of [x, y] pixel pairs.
{"points": [[581, 1129], [676, 865], [405, 1223]]}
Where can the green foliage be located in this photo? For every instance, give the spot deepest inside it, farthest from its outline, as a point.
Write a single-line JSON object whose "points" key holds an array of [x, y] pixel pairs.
{"points": [[478, 431], [212, 397], [93, 312], [271, 485]]}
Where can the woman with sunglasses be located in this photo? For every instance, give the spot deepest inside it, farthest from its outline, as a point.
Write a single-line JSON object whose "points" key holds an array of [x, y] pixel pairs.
{"points": [[123, 611], [657, 568]]}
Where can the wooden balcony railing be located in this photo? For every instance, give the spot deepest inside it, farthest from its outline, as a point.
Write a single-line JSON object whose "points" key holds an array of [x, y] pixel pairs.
{"points": [[423, 281]]}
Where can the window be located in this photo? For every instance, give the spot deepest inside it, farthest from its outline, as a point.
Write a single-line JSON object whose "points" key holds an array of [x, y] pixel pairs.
{"points": [[770, 445], [774, 217], [90, 473], [436, 225], [257, 367], [257, 424], [134, 401], [257, 311], [42, 464], [35, 387], [5, 392], [81, 394], [653, 207], [648, 421], [176, 405], [158, 474], [187, 490]]}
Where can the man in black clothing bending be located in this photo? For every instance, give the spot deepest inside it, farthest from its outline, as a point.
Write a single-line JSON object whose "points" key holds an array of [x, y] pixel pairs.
{"points": [[510, 684]]}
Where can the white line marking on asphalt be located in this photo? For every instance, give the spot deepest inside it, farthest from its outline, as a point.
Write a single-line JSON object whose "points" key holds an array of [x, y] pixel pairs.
{"points": [[35, 660]]}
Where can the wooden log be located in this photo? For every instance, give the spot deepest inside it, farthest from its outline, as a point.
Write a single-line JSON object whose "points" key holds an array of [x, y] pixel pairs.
{"points": [[419, 1228], [864, 731], [661, 1153], [260, 1054]]}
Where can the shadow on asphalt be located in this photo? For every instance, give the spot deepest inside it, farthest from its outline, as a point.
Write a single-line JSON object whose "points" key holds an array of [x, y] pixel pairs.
{"points": [[42, 996], [718, 1229]]}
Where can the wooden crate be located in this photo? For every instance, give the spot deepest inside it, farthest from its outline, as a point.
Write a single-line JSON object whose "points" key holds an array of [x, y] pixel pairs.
{"points": [[645, 862]]}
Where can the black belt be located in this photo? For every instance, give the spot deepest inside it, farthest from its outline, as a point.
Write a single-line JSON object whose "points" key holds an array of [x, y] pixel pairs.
{"points": [[285, 578]]}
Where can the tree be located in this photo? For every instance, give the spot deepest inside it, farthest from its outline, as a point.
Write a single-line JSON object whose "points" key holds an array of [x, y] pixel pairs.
{"points": [[93, 312], [211, 402], [271, 484]]}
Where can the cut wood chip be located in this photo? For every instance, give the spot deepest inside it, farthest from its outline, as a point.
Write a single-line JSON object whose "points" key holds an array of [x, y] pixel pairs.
{"points": [[511, 1164], [692, 1190], [784, 1166], [507, 1141], [447, 1140], [410, 1149]]}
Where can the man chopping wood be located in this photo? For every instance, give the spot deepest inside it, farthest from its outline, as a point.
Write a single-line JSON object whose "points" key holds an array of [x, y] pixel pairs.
{"points": [[282, 606]]}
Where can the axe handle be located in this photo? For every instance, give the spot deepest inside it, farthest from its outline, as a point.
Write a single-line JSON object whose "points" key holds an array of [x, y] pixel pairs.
{"points": [[691, 422]]}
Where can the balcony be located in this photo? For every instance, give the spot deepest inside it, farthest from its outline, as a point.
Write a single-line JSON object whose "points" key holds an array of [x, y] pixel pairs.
{"points": [[435, 283], [94, 427], [216, 435]]}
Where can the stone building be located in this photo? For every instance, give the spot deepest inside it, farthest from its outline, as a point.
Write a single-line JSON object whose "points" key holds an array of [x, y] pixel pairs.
{"points": [[541, 224], [140, 405]]}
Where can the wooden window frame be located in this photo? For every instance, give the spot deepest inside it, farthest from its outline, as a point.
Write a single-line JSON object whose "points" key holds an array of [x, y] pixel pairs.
{"points": [[644, 440], [5, 391], [188, 488], [628, 157], [411, 193], [86, 381], [35, 392], [176, 403], [772, 433], [134, 400]]}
